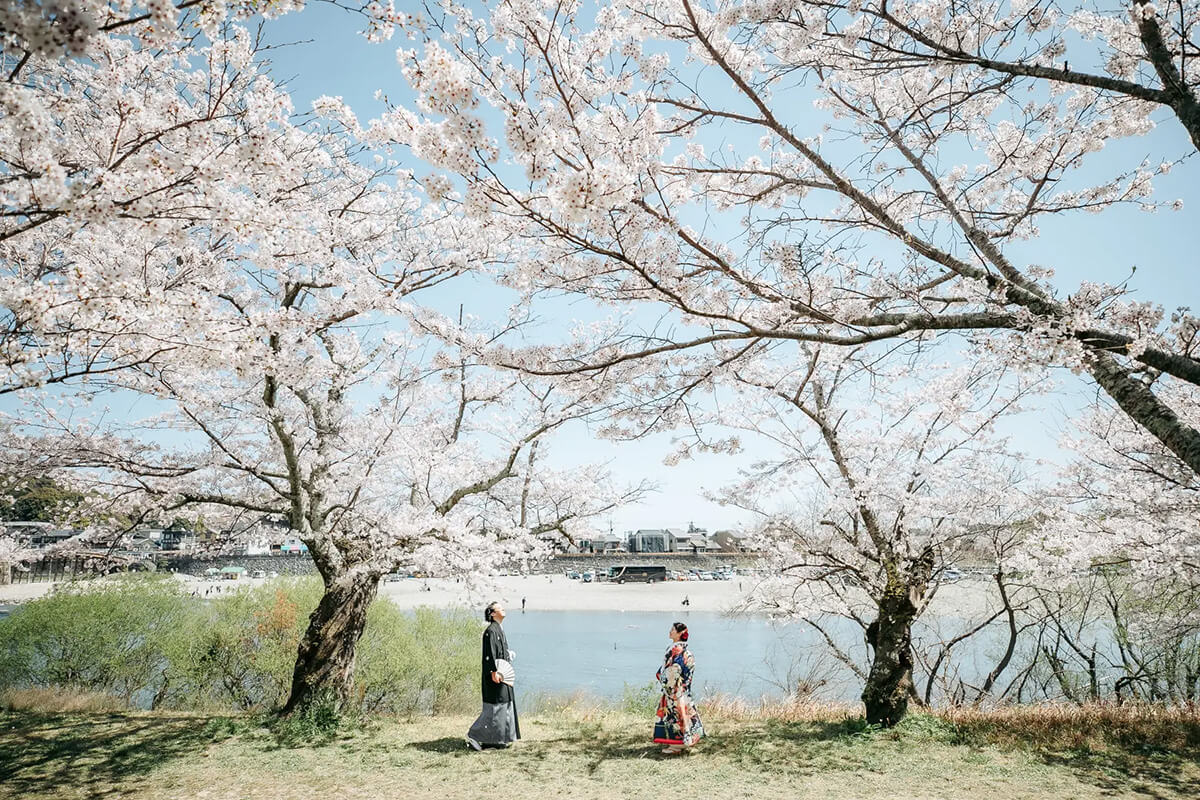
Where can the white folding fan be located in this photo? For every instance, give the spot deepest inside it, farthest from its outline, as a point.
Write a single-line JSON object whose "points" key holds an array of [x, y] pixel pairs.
{"points": [[507, 673]]}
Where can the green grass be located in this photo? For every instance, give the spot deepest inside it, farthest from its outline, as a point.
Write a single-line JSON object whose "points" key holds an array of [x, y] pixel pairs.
{"points": [[582, 753]]}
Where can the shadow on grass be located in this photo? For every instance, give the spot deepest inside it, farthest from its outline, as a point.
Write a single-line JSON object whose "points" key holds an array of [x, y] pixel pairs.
{"points": [[43, 752], [591, 741], [1154, 774], [453, 745], [1115, 749]]}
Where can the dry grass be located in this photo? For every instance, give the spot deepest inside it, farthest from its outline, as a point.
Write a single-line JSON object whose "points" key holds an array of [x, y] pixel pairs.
{"points": [[59, 701], [1091, 727], [738, 709], [589, 752]]}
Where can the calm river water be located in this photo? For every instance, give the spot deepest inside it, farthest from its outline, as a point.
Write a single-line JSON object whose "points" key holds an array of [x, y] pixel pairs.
{"points": [[603, 652]]}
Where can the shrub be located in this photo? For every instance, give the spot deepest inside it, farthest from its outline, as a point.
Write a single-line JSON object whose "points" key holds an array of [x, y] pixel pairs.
{"points": [[424, 662], [111, 637], [142, 640], [317, 723]]}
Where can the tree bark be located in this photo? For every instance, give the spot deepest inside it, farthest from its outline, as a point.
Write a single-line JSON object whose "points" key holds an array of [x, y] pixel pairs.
{"points": [[325, 662], [1141, 404], [889, 682]]}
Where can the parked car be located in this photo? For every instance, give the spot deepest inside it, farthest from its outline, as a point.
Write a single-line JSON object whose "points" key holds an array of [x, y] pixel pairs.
{"points": [[392, 577], [258, 573], [587, 577], [573, 575]]}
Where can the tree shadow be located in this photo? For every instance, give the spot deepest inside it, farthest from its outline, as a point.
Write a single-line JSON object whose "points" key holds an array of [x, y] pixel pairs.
{"points": [[41, 752], [809, 746], [598, 745], [1105, 747], [1148, 772]]}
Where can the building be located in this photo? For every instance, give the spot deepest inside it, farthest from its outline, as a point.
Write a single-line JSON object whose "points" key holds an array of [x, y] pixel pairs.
{"points": [[602, 543], [291, 545], [729, 541], [36, 535], [232, 573], [650, 540], [177, 540], [672, 540]]}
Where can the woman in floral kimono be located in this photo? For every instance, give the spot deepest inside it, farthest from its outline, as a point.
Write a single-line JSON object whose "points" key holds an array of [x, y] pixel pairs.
{"points": [[678, 725]]}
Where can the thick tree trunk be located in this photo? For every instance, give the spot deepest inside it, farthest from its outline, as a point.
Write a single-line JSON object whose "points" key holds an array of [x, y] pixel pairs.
{"points": [[325, 662], [889, 682]]}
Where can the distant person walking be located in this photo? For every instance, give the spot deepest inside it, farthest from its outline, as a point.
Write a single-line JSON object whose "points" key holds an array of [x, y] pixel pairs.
{"points": [[522, 605], [497, 725], [678, 725], [686, 601]]}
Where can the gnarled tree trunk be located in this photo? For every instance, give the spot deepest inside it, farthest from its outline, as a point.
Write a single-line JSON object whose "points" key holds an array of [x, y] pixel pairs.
{"points": [[889, 682], [325, 662]]}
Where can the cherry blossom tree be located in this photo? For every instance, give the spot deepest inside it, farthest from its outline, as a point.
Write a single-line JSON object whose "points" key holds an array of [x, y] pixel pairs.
{"points": [[768, 171], [1133, 49], [898, 478], [1123, 500], [1119, 552], [54, 28], [122, 121], [268, 291], [126, 177]]}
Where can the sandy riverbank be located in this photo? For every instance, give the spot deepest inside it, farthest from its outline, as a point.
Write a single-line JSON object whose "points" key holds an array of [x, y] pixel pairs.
{"points": [[557, 593], [541, 593]]}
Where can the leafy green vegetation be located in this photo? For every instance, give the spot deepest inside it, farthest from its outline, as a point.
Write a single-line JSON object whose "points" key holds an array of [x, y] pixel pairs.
{"points": [[144, 641]]}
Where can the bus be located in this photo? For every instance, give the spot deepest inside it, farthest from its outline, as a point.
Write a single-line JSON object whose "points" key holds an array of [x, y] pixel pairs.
{"points": [[649, 574]]}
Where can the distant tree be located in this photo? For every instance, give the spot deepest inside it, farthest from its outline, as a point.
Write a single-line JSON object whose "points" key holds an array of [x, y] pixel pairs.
{"points": [[898, 479], [35, 499]]}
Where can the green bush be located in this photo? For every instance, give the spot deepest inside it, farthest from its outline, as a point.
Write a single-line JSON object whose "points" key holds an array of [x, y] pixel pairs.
{"points": [[143, 640], [317, 723], [111, 638], [424, 662]]}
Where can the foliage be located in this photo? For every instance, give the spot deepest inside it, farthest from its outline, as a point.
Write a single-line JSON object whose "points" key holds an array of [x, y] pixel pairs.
{"points": [[316, 722], [34, 499], [422, 662], [146, 642], [640, 700], [111, 637]]}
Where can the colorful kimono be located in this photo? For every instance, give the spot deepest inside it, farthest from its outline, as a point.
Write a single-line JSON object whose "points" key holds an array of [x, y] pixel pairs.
{"points": [[677, 723]]}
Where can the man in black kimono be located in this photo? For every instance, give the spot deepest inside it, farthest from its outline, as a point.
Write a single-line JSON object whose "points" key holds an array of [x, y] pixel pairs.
{"points": [[497, 725]]}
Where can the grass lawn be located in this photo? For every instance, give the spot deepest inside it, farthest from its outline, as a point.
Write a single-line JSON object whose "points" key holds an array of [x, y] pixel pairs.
{"points": [[595, 755]]}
